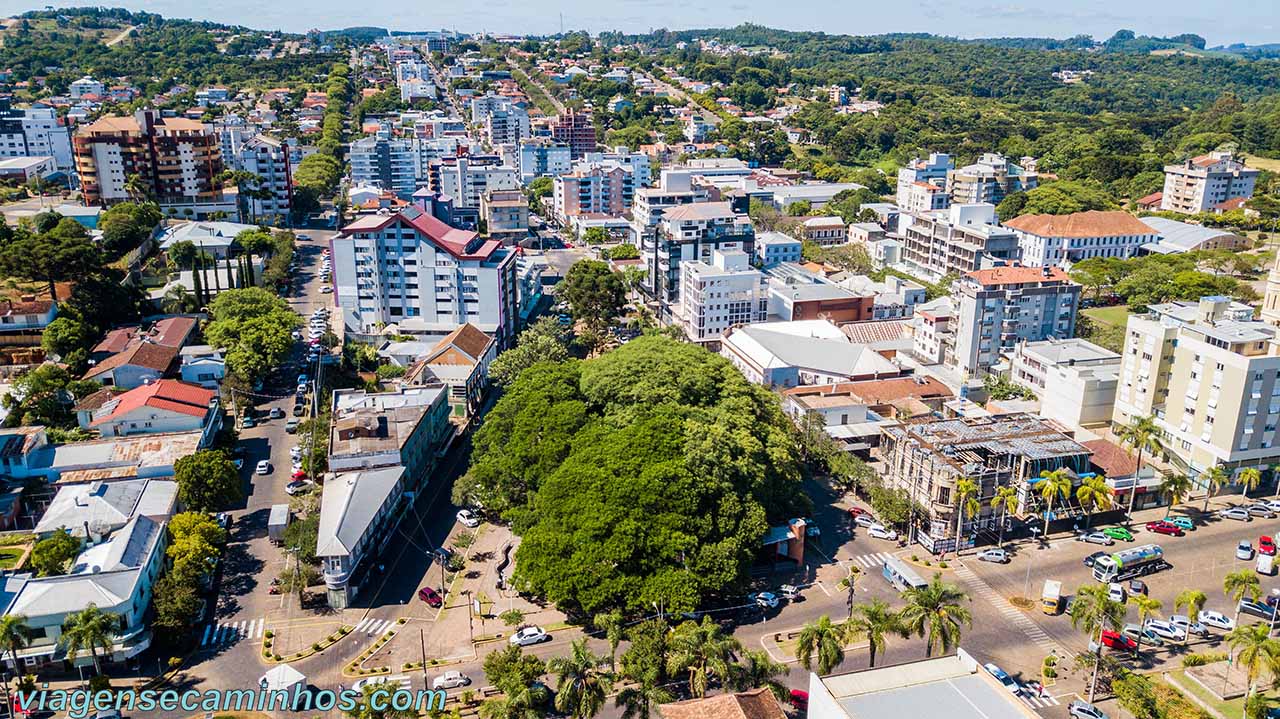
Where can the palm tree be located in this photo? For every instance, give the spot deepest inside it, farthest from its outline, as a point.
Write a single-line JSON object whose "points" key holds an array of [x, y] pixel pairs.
{"points": [[1055, 484], [1256, 651], [1095, 492], [91, 629], [1143, 435], [849, 584], [1146, 607], [701, 650], [1214, 478], [825, 639], [1249, 479], [1006, 500], [756, 669], [641, 700], [611, 624], [516, 706], [1177, 485], [964, 489], [136, 187], [936, 611], [1240, 584], [580, 685], [1194, 600], [874, 621], [1092, 611], [14, 635]]}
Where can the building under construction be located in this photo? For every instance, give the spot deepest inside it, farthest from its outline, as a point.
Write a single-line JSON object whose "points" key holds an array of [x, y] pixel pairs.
{"points": [[927, 457]]}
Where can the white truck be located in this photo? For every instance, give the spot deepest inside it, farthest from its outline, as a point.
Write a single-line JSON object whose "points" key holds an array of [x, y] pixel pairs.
{"points": [[1266, 564], [277, 521]]}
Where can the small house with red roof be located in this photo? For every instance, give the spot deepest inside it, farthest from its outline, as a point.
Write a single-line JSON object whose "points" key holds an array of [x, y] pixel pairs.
{"points": [[166, 405]]}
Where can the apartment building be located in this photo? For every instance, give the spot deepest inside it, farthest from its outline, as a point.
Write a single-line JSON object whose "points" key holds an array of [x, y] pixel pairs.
{"points": [[179, 160], [1001, 306], [923, 197], [926, 458], [720, 294], [35, 132], [466, 180], [1064, 240], [635, 163], [86, 87], [775, 248], [1210, 376], [930, 172], [268, 158], [675, 187], [413, 270], [576, 130], [508, 123], [961, 239], [506, 215], [1202, 183], [991, 179], [1074, 379], [602, 189], [825, 231], [690, 233], [390, 163], [795, 294], [933, 335], [542, 157]]}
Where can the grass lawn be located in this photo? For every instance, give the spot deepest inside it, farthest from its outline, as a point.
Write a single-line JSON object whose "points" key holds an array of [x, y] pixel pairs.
{"points": [[1262, 163], [1231, 708], [9, 557], [1115, 316]]}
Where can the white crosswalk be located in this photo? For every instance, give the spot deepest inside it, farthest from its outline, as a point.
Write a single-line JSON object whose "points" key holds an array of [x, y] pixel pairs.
{"points": [[370, 625], [221, 634], [868, 561], [1020, 620], [1039, 702]]}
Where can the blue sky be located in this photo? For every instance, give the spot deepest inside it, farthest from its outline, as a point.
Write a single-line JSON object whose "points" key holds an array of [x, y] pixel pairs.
{"points": [[1219, 21]]}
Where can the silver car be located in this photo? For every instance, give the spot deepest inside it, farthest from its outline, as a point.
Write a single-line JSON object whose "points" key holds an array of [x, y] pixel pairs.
{"points": [[1095, 538], [996, 554], [1239, 514]]}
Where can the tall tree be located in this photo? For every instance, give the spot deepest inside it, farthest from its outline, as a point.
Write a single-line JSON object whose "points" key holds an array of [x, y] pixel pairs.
{"points": [[65, 252], [964, 489], [1256, 652], [1096, 494], [1092, 611], [702, 651], [15, 634], [936, 612], [1055, 484], [1143, 436], [89, 629], [1176, 486], [1193, 600], [581, 686], [755, 669], [1249, 479], [611, 624], [1006, 500], [1213, 479], [1241, 584], [824, 638], [875, 621], [595, 293], [207, 481], [1146, 606]]}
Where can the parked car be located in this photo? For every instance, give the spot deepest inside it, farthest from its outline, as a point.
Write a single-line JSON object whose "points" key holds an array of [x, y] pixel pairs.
{"points": [[529, 636], [1084, 710], [1116, 640], [1180, 521], [1148, 637], [865, 520], [1092, 558], [298, 485], [765, 600], [1001, 676], [1266, 546], [247, 422], [1115, 592], [858, 511], [800, 699], [451, 679], [1118, 533], [1257, 609], [1183, 622], [1163, 527], [301, 236], [1273, 503], [238, 462], [431, 597], [326, 289], [1165, 630], [1237, 513], [1261, 509], [877, 531], [1137, 586], [1217, 620], [468, 518], [264, 467], [1244, 550], [298, 411], [996, 554], [1095, 538], [276, 413]]}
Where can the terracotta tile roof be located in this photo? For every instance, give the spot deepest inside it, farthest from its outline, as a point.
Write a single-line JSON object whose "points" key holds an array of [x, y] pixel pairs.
{"points": [[754, 704], [96, 400], [1152, 199], [459, 243], [1234, 203], [1018, 275], [167, 394], [468, 339], [1111, 458], [1094, 223], [879, 391], [25, 306], [173, 331], [143, 354], [117, 340]]}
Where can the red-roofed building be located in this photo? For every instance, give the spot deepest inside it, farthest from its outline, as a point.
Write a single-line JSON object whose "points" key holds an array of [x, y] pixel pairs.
{"points": [[1000, 306], [166, 405], [411, 271], [1150, 202]]}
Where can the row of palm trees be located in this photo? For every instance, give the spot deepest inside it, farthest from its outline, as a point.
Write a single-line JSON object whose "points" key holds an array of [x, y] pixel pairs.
{"points": [[936, 612], [87, 630]]}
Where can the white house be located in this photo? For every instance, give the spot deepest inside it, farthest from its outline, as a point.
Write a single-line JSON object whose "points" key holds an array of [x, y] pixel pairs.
{"points": [[163, 406], [203, 365]]}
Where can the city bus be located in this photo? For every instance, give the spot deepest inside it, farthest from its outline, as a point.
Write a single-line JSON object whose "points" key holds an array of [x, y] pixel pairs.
{"points": [[897, 573]]}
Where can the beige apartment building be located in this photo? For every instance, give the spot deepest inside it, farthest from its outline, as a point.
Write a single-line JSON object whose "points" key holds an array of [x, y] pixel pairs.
{"points": [[1210, 376], [1203, 183]]}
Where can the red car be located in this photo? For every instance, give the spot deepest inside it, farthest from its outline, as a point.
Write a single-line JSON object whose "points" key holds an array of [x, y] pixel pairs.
{"points": [[1163, 527], [1115, 640], [430, 596], [800, 699], [856, 511], [1266, 546], [299, 475]]}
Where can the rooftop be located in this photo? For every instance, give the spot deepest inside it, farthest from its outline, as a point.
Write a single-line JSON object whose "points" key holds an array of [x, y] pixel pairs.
{"points": [[143, 354], [753, 704], [166, 394], [771, 348], [349, 505], [1094, 223], [377, 422], [874, 392], [963, 441], [1069, 351], [918, 689], [1018, 275], [1184, 236], [462, 244], [699, 211], [103, 506], [1111, 458]]}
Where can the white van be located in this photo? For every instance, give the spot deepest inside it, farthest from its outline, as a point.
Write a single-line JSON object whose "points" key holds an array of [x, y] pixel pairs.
{"points": [[1266, 564]]}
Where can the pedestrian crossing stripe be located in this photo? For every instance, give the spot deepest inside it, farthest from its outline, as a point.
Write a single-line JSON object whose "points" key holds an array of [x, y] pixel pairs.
{"points": [[868, 561], [1028, 627], [371, 625], [1039, 702], [220, 633]]}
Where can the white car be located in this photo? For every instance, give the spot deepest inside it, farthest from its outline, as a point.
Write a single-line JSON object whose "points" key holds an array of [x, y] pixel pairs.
{"points": [[765, 600], [528, 636], [296, 335], [1095, 538], [1239, 514], [1002, 677], [295, 452], [877, 531], [468, 518], [326, 289], [297, 486], [1184, 623], [1217, 620], [1084, 710], [865, 520], [451, 680], [301, 236], [1115, 592], [374, 681], [1165, 630], [1274, 504], [264, 467], [995, 554], [1244, 550]]}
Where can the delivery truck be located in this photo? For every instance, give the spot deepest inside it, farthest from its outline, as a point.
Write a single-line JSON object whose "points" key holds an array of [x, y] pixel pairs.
{"points": [[277, 521], [1051, 597]]}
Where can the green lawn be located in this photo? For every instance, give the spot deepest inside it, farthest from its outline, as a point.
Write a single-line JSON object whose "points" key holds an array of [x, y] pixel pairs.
{"points": [[9, 557], [1116, 316], [1231, 708]]}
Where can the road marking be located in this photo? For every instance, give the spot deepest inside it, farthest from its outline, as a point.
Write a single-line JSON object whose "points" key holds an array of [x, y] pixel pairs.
{"points": [[373, 625], [207, 630], [868, 561], [216, 635], [992, 597], [1038, 702]]}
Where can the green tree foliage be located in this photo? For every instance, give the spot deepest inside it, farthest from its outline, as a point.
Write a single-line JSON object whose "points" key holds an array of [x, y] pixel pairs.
{"points": [[207, 481], [302, 533], [52, 555], [1063, 198], [657, 465], [595, 293], [543, 341], [624, 251], [176, 603], [64, 336], [64, 252], [197, 539], [595, 235], [47, 393], [511, 670], [127, 225], [1000, 387], [254, 327]]}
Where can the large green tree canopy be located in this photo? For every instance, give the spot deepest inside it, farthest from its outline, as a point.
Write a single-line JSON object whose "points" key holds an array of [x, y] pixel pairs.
{"points": [[649, 473]]}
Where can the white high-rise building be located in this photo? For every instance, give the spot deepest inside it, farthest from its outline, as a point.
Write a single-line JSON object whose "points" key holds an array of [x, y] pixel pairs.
{"points": [[720, 294], [1001, 306], [931, 171], [1202, 183], [543, 157], [268, 158], [467, 182]]}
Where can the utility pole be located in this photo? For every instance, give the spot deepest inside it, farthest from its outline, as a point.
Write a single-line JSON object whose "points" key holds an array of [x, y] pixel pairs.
{"points": [[422, 643]]}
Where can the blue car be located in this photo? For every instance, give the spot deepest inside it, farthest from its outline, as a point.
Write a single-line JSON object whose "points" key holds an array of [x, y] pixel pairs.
{"points": [[1179, 521]]}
